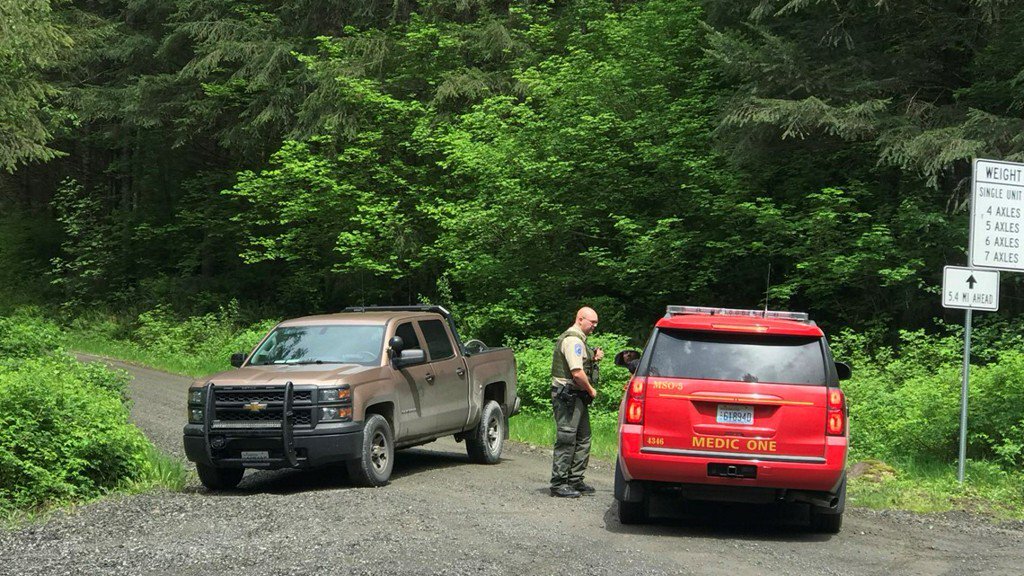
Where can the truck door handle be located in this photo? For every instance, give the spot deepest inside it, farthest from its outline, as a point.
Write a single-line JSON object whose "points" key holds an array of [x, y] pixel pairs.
{"points": [[460, 371], [430, 378]]}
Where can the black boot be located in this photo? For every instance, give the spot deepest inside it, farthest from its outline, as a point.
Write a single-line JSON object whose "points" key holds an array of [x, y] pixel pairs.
{"points": [[564, 491]]}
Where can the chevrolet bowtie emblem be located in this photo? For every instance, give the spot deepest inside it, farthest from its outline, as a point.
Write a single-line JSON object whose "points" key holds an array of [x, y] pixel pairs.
{"points": [[254, 407]]}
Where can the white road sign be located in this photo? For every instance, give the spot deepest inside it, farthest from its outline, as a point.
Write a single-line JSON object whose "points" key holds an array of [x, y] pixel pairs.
{"points": [[970, 288], [997, 215]]}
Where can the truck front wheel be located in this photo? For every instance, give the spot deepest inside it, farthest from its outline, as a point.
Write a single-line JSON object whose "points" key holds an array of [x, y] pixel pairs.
{"points": [[219, 478], [374, 467], [484, 442]]}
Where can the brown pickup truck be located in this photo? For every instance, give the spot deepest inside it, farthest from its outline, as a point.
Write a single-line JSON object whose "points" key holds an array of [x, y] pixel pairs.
{"points": [[350, 388]]}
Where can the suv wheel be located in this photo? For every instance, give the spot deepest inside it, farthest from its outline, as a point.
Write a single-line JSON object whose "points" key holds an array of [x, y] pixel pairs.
{"points": [[374, 467], [219, 478], [633, 512], [826, 523], [484, 442], [829, 521]]}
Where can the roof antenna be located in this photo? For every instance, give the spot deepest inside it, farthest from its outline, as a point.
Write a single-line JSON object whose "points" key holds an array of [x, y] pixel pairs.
{"points": [[767, 290]]}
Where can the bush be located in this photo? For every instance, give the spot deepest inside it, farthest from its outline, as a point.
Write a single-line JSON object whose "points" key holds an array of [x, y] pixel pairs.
{"points": [[26, 334], [533, 360], [65, 433], [995, 421], [905, 402]]}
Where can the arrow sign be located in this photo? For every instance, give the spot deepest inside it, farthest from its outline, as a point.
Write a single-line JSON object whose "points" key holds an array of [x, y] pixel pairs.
{"points": [[970, 288]]}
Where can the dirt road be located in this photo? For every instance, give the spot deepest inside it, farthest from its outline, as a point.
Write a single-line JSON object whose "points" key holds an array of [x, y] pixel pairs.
{"points": [[443, 515]]}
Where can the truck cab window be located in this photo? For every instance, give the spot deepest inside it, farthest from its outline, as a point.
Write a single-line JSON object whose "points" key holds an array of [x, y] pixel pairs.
{"points": [[438, 343]]}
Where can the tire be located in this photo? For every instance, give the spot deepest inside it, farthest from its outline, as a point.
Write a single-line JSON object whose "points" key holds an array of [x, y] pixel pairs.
{"points": [[633, 512], [484, 443], [826, 523], [830, 521], [374, 466], [219, 478]]}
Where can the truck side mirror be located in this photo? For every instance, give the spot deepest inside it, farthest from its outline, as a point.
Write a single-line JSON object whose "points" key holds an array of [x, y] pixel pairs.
{"points": [[396, 344], [410, 357], [628, 359], [237, 359], [843, 370]]}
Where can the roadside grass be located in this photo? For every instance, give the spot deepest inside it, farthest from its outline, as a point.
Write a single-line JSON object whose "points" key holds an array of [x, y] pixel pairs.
{"points": [[163, 471], [933, 487], [102, 345], [539, 430]]}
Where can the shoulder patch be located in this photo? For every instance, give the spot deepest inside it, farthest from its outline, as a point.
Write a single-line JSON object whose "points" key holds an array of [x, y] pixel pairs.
{"points": [[578, 349]]}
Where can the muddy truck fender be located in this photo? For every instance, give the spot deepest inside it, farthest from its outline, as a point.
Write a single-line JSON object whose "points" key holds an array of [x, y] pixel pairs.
{"points": [[492, 373]]}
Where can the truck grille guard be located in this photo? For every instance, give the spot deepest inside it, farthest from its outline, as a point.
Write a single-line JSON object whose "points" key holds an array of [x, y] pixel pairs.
{"points": [[287, 435], [287, 422]]}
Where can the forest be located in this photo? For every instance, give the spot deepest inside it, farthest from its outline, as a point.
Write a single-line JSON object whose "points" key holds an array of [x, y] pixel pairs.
{"points": [[510, 159], [166, 161]]}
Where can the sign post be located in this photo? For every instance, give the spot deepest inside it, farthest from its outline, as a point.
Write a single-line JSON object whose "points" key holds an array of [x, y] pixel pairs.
{"points": [[971, 290], [996, 243]]}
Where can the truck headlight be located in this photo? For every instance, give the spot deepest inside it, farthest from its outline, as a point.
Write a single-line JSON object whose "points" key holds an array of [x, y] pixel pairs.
{"points": [[343, 394], [195, 415], [195, 396], [335, 414]]}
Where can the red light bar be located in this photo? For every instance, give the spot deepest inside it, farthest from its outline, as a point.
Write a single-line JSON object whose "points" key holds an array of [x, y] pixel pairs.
{"points": [[679, 310]]}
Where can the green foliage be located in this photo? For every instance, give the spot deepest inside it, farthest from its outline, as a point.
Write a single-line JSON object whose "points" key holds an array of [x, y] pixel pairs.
{"points": [[905, 402], [25, 335], [86, 265], [31, 43], [196, 345], [602, 174], [815, 71], [65, 434]]}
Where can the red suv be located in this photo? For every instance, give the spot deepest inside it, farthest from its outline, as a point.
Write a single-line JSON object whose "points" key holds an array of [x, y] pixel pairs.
{"points": [[734, 405]]}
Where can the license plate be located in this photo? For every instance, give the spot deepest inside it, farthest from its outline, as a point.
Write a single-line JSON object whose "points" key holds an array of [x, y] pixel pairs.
{"points": [[735, 414], [255, 456]]}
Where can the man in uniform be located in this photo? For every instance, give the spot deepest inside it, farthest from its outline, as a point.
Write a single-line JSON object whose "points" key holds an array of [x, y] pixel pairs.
{"points": [[572, 389]]}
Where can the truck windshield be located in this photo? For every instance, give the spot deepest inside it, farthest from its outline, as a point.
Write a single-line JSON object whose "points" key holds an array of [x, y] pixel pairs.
{"points": [[344, 344], [738, 357]]}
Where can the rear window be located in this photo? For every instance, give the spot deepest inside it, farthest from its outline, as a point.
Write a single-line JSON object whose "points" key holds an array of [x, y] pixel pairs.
{"points": [[738, 357], [438, 344]]}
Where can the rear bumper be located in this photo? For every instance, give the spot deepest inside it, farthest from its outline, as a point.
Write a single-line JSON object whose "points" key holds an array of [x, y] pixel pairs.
{"points": [[326, 444], [823, 475]]}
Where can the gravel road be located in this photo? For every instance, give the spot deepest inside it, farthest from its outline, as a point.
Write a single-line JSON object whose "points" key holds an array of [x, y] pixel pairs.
{"points": [[444, 515]]}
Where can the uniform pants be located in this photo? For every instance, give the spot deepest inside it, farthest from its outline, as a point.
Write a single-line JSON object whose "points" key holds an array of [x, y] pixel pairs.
{"points": [[572, 441]]}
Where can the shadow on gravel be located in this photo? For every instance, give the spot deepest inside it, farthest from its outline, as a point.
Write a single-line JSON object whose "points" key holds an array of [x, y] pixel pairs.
{"points": [[409, 462], [721, 521]]}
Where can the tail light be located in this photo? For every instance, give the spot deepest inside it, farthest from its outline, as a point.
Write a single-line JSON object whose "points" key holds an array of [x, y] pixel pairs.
{"points": [[635, 400], [836, 424]]}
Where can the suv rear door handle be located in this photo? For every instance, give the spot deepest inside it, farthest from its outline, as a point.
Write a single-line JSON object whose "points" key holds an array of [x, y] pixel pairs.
{"points": [[460, 371], [430, 378]]}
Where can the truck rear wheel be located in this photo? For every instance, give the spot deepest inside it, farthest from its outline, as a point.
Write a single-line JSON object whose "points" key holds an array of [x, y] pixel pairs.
{"points": [[484, 443], [374, 467], [219, 478]]}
